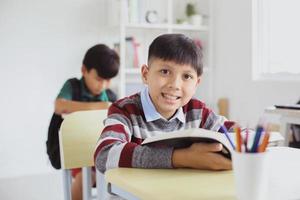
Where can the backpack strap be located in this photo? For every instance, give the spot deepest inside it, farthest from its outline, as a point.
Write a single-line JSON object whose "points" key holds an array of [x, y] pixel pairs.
{"points": [[112, 97], [76, 90]]}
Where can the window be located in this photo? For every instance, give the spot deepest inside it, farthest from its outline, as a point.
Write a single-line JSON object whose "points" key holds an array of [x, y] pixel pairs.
{"points": [[276, 39]]}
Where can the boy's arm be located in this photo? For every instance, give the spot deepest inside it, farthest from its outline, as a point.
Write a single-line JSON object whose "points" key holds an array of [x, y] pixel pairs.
{"points": [[116, 148], [63, 106], [201, 156]]}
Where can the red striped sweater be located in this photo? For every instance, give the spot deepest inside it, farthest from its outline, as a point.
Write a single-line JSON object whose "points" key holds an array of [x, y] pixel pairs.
{"points": [[126, 127]]}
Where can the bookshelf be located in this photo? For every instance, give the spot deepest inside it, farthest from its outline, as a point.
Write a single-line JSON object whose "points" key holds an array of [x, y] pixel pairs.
{"points": [[135, 26]]}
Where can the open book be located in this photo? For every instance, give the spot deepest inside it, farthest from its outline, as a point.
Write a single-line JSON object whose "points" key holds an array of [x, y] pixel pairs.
{"points": [[184, 138]]}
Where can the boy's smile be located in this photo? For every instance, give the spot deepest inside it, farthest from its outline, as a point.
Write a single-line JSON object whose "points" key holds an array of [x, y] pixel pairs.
{"points": [[171, 85], [170, 98]]}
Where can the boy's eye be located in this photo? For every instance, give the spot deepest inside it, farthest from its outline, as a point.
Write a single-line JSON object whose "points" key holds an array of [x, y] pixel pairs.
{"points": [[187, 76], [164, 71]]}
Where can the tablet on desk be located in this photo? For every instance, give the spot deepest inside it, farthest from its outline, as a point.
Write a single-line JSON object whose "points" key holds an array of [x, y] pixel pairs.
{"points": [[288, 106]]}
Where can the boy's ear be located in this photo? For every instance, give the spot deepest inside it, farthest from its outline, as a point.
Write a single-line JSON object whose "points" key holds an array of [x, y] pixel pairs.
{"points": [[83, 70], [144, 72], [198, 81], [108, 83]]}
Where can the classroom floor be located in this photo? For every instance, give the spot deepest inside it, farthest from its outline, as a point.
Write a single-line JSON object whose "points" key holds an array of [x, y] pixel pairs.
{"points": [[35, 187]]}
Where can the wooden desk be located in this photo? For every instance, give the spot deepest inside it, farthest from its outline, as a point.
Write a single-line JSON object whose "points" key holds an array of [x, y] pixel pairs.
{"points": [[287, 117], [172, 184]]}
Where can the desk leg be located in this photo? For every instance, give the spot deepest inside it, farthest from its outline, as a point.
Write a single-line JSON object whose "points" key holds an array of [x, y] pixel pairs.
{"points": [[122, 193], [102, 190], [67, 181], [86, 183]]}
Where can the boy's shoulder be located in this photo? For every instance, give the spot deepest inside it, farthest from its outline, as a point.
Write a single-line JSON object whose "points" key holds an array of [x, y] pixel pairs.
{"points": [[70, 90], [194, 104], [72, 83], [72, 80], [130, 105]]}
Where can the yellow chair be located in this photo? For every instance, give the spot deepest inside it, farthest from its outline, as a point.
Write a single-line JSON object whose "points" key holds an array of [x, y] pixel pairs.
{"points": [[78, 136]]}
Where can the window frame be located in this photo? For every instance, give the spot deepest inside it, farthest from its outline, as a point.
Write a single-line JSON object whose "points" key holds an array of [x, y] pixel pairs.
{"points": [[260, 41]]}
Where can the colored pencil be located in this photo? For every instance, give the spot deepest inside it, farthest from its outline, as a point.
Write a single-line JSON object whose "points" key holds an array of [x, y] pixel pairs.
{"points": [[238, 139], [224, 130], [246, 139], [257, 136], [265, 142]]}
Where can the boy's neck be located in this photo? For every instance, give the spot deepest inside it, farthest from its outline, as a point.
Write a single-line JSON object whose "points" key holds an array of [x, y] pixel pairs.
{"points": [[88, 90]]}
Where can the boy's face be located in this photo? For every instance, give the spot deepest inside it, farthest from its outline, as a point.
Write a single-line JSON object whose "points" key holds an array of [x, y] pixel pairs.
{"points": [[94, 83], [171, 85]]}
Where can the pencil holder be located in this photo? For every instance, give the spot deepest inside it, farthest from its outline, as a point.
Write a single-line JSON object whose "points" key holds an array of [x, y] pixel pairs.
{"points": [[251, 175]]}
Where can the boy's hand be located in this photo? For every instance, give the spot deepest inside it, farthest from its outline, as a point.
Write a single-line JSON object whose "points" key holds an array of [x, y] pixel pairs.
{"points": [[201, 156]]}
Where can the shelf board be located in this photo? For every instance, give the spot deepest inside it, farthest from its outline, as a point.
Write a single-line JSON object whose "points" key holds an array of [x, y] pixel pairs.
{"points": [[147, 26], [187, 27]]}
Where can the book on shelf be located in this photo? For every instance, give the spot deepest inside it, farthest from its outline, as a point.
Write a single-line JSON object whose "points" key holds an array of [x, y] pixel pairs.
{"points": [[133, 11], [130, 52], [117, 48], [137, 11], [184, 138], [133, 53]]}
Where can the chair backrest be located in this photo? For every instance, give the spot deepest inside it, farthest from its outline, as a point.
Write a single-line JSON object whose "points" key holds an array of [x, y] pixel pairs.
{"points": [[78, 136]]}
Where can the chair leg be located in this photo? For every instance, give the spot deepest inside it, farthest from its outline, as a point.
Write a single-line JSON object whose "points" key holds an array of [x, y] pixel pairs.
{"points": [[87, 183], [67, 181], [102, 191]]}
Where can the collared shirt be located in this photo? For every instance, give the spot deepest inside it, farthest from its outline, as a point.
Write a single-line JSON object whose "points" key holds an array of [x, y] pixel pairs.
{"points": [[150, 111]]}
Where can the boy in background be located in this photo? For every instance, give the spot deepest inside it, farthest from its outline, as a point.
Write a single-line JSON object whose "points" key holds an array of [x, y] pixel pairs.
{"points": [[100, 64], [172, 75]]}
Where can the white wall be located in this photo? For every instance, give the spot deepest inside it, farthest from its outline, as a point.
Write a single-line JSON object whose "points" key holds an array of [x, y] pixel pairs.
{"points": [[42, 43], [247, 98]]}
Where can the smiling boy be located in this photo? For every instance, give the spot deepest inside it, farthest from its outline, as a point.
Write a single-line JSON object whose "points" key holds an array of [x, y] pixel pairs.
{"points": [[172, 76]]}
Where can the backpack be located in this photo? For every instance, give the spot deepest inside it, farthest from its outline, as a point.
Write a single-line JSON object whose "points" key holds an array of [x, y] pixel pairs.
{"points": [[52, 142]]}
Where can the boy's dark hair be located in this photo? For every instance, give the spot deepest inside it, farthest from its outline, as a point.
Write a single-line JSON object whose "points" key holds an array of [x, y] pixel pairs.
{"points": [[178, 48], [103, 59]]}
